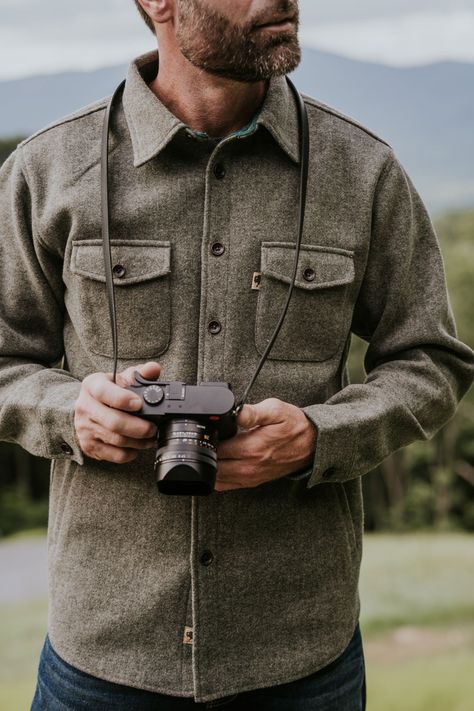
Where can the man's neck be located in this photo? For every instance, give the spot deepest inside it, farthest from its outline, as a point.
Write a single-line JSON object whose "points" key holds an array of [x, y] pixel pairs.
{"points": [[205, 102]]}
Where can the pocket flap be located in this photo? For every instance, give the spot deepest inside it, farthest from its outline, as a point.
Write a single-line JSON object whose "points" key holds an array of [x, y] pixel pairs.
{"points": [[141, 259], [327, 266]]}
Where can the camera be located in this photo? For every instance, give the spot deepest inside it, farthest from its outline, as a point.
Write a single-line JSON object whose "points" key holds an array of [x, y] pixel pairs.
{"points": [[191, 419]]}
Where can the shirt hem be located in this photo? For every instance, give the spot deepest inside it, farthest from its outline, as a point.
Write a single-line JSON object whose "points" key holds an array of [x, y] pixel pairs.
{"points": [[210, 696], [276, 681]]}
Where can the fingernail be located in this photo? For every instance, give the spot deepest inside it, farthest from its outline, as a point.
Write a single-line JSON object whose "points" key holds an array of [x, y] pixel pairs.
{"points": [[135, 402]]}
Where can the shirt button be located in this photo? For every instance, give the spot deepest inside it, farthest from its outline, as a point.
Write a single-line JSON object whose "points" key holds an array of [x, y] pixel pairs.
{"points": [[119, 271], [219, 171], [217, 249], [206, 557], [327, 473], [66, 448], [214, 327], [309, 274]]}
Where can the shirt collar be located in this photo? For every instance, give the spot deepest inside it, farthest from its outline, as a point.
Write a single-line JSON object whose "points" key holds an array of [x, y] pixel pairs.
{"points": [[152, 126]]}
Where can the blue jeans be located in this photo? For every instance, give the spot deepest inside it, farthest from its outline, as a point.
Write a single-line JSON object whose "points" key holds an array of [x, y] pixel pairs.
{"points": [[340, 686]]}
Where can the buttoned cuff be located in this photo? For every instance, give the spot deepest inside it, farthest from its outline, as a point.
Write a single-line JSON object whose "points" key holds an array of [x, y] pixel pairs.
{"points": [[334, 451], [57, 422]]}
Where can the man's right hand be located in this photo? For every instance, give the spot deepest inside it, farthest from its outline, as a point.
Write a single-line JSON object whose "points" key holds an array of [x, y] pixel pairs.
{"points": [[104, 429]]}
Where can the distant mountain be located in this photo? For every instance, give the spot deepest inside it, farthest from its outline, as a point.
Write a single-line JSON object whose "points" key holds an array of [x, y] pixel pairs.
{"points": [[426, 113], [29, 104]]}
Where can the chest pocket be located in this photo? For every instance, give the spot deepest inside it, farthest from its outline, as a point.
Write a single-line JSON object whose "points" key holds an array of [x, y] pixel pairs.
{"points": [[142, 271], [319, 315]]}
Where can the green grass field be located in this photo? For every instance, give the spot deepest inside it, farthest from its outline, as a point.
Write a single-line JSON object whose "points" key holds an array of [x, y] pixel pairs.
{"points": [[417, 623]]}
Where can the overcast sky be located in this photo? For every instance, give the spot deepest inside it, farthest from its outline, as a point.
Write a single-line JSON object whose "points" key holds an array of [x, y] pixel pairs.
{"points": [[38, 36]]}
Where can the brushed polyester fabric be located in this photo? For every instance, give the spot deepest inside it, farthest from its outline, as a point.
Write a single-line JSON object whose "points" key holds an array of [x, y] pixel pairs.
{"points": [[280, 599]]}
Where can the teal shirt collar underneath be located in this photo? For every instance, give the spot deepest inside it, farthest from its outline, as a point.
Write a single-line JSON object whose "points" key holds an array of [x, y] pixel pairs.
{"points": [[244, 131]]}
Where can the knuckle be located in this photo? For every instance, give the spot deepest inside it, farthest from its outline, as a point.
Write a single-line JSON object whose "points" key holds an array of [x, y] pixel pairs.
{"points": [[253, 471], [93, 450], [266, 458], [126, 377], [92, 380], [82, 435], [248, 453], [275, 404], [152, 430], [114, 421], [80, 407], [119, 398], [116, 439], [140, 428], [87, 381], [123, 455]]}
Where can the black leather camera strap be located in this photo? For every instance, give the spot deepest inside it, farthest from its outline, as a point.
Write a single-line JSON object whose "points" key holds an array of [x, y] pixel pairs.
{"points": [[104, 195], [304, 163], [109, 280]]}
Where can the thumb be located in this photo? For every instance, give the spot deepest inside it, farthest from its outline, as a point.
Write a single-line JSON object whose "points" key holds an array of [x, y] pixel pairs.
{"points": [[267, 412], [150, 371]]}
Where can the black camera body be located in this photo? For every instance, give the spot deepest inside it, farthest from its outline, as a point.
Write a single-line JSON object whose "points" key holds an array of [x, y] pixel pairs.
{"points": [[191, 419]]}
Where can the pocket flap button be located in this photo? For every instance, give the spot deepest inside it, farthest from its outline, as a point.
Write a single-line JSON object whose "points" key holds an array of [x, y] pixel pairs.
{"points": [[119, 271]]}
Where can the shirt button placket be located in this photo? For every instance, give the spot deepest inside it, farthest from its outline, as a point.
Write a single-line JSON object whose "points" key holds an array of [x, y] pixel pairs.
{"points": [[217, 255]]}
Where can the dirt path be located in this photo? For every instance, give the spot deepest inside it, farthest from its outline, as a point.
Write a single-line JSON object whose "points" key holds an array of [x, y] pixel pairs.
{"points": [[411, 641], [23, 569]]}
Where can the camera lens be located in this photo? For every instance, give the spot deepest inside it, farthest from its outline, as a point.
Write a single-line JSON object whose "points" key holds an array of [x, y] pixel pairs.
{"points": [[186, 459]]}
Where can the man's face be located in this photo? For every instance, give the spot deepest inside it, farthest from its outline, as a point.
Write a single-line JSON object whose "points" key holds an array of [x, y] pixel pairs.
{"points": [[244, 40]]}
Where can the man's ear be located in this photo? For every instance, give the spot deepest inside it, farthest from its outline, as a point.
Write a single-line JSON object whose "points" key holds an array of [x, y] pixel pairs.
{"points": [[158, 10]]}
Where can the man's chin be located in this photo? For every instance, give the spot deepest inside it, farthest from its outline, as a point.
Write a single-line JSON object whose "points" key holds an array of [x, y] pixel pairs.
{"points": [[280, 63]]}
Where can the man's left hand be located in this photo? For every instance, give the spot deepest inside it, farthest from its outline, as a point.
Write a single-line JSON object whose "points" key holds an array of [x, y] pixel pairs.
{"points": [[277, 439]]}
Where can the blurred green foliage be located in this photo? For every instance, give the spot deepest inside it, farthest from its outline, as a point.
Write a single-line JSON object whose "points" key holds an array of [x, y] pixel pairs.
{"points": [[7, 146], [431, 484]]}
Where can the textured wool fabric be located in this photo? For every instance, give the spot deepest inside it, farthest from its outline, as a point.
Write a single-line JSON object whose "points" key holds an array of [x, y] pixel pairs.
{"points": [[279, 599]]}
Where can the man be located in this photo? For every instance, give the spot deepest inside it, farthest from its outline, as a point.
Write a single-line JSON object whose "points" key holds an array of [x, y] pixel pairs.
{"points": [[248, 596]]}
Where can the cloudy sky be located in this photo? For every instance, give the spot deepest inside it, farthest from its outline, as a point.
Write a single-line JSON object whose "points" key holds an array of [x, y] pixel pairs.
{"points": [[38, 36]]}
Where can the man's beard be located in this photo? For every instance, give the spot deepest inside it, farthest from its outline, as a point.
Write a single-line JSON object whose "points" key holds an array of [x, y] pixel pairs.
{"points": [[213, 43]]}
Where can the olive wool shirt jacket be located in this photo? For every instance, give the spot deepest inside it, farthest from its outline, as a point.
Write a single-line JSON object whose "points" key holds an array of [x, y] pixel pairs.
{"points": [[207, 596]]}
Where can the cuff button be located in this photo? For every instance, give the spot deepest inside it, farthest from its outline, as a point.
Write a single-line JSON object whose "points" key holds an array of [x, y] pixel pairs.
{"points": [[66, 448]]}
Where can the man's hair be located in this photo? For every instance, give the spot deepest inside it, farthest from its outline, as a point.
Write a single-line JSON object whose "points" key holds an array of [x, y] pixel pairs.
{"points": [[145, 16]]}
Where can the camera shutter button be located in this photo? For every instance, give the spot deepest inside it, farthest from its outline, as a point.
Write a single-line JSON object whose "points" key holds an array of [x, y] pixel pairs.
{"points": [[153, 395]]}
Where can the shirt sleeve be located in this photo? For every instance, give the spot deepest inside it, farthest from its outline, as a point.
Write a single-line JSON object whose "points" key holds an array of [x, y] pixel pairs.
{"points": [[416, 368], [36, 399]]}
